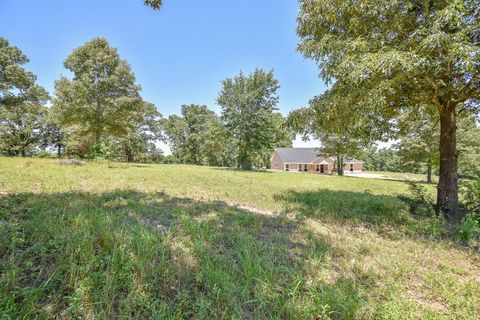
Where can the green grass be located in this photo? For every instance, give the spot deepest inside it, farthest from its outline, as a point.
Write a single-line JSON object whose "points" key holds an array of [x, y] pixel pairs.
{"points": [[404, 176], [182, 242]]}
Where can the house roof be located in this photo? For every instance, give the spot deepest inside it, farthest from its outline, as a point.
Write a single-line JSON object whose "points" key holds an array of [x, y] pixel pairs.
{"points": [[299, 155], [306, 155]]}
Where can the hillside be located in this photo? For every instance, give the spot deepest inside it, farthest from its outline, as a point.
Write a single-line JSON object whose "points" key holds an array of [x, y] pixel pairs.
{"points": [[107, 240]]}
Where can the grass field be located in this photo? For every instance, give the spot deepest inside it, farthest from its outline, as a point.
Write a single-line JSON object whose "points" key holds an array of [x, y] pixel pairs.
{"points": [[184, 242]]}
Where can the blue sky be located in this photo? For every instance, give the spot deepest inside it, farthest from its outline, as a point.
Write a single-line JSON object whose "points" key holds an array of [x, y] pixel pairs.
{"points": [[178, 54]]}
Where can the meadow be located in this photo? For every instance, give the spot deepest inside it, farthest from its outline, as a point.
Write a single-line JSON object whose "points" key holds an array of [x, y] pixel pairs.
{"points": [[114, 240]]}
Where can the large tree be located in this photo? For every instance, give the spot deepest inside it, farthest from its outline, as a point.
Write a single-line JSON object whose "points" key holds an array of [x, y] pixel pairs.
{"points": [[22, 103], [189, 135], [389, 57], [102, 99], [248, 103], [281, 136]]}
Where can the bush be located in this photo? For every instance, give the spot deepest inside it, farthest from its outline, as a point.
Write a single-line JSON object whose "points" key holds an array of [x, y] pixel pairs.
{"points": [[43, 154], [470, 195], [98, 151], [469, 230], [420, 202]]}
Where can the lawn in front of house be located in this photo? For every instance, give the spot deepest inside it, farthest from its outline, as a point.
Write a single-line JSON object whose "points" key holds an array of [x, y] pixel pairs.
{"points": [[108, 240]]}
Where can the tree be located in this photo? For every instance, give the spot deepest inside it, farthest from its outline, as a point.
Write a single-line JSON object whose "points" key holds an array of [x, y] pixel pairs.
{"points": [[22, 103], [384, 159], [146, 131], [339, 146], [419, 135], [190, 135], [340, 141], [281, 136], [468, 145], [101, 99], [53, 136], [248, 104], [389, 57]]}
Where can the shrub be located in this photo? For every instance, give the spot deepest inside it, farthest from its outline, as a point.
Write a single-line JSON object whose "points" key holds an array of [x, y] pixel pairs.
{"points": [[469, 230], [470, 195], [420, 201], [43, 154], [98, 151]]}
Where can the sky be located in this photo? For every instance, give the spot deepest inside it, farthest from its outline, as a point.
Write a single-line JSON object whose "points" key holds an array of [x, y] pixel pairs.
{"points": [[179, 54]]}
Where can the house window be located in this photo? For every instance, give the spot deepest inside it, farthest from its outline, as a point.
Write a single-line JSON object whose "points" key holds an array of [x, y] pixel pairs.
{"points": [[318, 167], [351, 167], [300, 167], [287, 167], [305, 167]]}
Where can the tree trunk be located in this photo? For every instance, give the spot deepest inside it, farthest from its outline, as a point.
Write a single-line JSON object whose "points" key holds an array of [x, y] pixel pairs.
{"points": [[59, 150], [429, 171], [244, 162], [129, 155], [340, 165], [447, 190]]}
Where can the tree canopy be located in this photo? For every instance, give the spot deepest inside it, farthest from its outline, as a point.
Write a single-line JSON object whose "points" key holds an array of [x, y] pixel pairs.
{"points": [[22, 103], [190, 134], [248, 103], [102, 99]]}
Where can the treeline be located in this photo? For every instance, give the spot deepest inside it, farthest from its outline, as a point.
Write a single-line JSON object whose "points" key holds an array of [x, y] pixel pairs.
{"points": [[99, 113]]}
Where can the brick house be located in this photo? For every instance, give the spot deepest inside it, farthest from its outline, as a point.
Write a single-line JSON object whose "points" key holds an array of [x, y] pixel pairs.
{"points": [[310, 160]]}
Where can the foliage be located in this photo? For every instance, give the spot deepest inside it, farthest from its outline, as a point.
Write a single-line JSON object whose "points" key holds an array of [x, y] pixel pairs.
{"points": [[419, 135], [384, 159], [468, 145], [102, 98], [468, 230], [420, 200], [22, 103], [140, 141], [154, 4], [53, 136], [470, 191], [248, 103], [98, 151], [195, 135], [391, 57], [418, 144]]}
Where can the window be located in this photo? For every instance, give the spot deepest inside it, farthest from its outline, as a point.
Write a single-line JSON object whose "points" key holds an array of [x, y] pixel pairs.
{"points": [[300, 167], [351, 167], [305, 167], [287, 167], [318, 167]]}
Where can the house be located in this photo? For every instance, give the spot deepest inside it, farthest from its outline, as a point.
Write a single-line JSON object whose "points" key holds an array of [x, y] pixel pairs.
{"points": [[311, 160]]}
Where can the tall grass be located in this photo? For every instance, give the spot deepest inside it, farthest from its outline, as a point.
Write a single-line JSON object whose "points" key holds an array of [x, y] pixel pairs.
{"points": [[107, 241]]}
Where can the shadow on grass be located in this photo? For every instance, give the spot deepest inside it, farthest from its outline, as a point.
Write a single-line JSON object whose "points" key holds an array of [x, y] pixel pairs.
{"points": [[138, 255], [359, 208], [241, 170]]}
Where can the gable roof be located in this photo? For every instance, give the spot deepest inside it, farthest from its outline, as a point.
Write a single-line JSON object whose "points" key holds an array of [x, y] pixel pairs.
{"points": [[306, 155], [299, 155]]}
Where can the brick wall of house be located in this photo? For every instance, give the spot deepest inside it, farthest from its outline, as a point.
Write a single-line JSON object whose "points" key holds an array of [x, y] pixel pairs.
{"points": [[277, 164]]}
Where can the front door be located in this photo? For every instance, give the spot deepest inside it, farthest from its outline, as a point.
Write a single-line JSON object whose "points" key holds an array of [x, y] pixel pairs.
{"points": [[321, 169]]}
